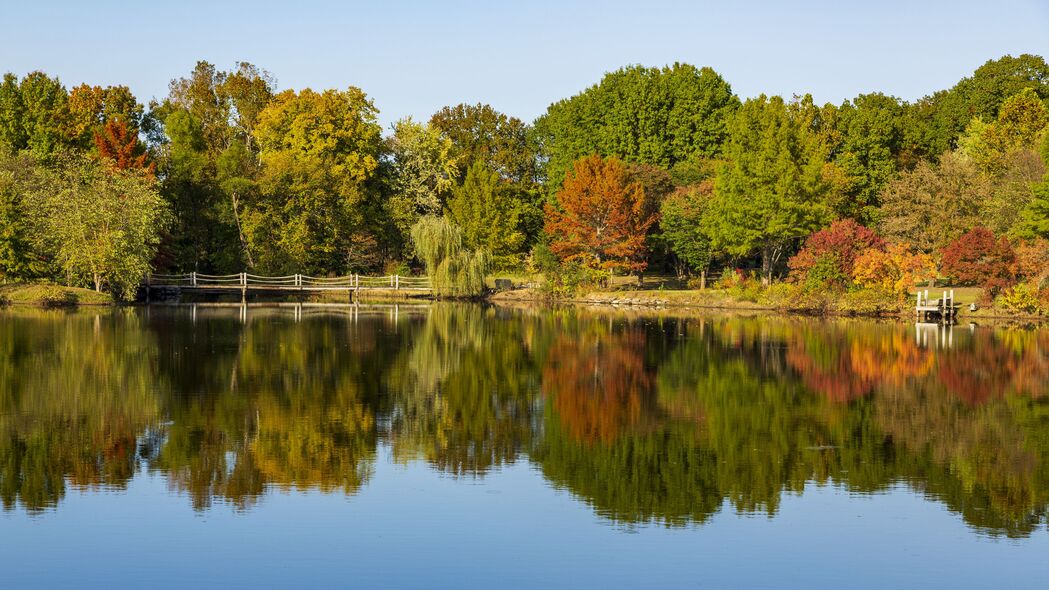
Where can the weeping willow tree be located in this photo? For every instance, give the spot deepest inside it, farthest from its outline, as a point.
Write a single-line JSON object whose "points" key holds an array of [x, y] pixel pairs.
{"points": [[453, 270]]}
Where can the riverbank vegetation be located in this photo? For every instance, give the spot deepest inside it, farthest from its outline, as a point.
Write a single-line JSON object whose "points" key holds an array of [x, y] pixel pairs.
{"points": [[784, 199]]}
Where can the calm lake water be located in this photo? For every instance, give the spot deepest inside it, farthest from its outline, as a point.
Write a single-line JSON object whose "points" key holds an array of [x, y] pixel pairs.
{"points": [[469, 447]]}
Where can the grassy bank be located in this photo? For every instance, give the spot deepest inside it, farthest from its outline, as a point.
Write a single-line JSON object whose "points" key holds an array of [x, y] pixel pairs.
{"points": [[45, 295], [779, 298]]}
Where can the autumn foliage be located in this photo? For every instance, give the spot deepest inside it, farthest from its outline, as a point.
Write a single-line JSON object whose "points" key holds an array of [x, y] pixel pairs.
{"points": [[601, 218], [895, 269], [117, 143], [838, 247], [978, 258]]}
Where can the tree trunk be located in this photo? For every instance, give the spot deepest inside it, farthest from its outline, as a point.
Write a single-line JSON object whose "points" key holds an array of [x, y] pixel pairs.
{"points": [[240, 233], [703, 280], [98, 283]]}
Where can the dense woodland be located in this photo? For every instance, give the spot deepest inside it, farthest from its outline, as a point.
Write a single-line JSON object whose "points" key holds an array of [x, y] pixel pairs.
{"points": [[651, 170]]}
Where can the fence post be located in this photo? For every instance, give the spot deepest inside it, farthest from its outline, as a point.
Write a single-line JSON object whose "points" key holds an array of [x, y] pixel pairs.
{"points": [[396, 282], [193, 278], [298, 280]]}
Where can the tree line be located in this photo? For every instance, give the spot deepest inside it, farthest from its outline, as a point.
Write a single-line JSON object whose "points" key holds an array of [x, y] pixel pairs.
{"points": [[661, 169]]}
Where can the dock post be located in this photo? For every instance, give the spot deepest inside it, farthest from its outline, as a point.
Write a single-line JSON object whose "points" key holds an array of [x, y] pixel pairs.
{"points": [[243, 287], [193, 278], [396, 282]]}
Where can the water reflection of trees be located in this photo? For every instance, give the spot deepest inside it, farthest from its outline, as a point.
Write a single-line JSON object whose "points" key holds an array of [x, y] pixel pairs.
{"points": [[461, 395], [765, 408], [72, 408], [646, 419]]}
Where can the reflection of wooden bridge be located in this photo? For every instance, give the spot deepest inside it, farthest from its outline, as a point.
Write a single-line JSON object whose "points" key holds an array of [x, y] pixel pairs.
{"points": [[297, 311], [288, 284]]}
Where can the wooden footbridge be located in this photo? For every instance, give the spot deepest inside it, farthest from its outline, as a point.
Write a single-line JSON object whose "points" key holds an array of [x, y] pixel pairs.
{"points": [[288, 284]]}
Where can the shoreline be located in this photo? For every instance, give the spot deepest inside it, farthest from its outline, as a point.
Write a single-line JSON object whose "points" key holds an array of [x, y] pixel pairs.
{"points": [[719, 301]]}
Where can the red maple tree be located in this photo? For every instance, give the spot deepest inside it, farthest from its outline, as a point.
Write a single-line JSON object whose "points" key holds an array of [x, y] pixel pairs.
{"points": [[601, 218], [117, 143]]}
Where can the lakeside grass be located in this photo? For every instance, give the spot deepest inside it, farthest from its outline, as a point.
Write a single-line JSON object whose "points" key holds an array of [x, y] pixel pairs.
{"points": [[47, 295]]}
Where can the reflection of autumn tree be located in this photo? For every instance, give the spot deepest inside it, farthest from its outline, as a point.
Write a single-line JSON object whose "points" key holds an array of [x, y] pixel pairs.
{"points": [[464, 391], [78, 390], [597, 381], [992, 364]]}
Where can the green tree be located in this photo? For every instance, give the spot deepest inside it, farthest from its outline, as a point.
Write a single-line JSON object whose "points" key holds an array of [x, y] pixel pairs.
{"points": [[18, 259], [208, 122], [420, 175], [935, 122], [320, 156], [489, 214], [681, 223], [870, 149], [776, 182], [481, 133], [1034, 219], [662, 116], [101, 225]]}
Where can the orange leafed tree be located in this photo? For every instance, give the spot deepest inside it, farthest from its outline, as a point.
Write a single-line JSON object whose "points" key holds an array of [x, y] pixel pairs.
{"points": [[118, 144], [601, 218]]}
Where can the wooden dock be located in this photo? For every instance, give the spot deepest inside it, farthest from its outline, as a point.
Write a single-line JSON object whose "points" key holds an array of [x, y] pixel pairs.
{"points": [[288, 284], [942, 310]]}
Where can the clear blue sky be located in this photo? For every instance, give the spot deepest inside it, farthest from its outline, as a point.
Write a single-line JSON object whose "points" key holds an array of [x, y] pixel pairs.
{"points": [[414, 57]]}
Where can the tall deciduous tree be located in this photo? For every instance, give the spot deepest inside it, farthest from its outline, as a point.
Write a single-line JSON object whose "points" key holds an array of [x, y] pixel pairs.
{"points": [[320, 156], [489, 213], [481, 133], [871, 146], [600, 219], [663, 116], [681, 222], [421, 173], [102, 226], [776, 182], [933, 204]]}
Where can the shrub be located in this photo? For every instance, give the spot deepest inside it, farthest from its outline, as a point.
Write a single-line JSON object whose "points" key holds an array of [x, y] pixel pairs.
{"points": [[873, 301], [828, 257], [978, 258], [1021, 298]]}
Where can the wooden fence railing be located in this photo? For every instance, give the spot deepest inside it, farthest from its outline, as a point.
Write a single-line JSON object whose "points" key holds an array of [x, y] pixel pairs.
{"points": [[296, 282]]}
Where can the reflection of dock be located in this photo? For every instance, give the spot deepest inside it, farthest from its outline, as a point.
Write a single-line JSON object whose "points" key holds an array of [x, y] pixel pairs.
{"points": [[943, 309], [928, 334]]}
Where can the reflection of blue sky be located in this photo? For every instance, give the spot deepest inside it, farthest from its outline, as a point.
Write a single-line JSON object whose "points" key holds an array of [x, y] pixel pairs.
{"points": [[411, 527]]}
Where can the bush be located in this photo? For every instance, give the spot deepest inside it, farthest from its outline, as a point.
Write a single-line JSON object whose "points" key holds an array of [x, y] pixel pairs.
{"points": [[828, 256], [739, 285], [1022, 298], [873, 301]]}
